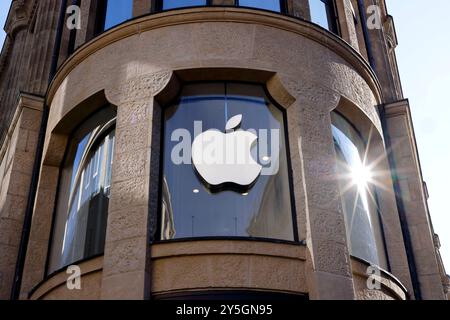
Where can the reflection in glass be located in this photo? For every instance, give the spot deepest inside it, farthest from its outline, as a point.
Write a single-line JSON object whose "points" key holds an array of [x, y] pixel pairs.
{"points": [[172, 4], [189, 208], [117, 11], [358, 198], [272, 5], [82, 209], [322, 13]]}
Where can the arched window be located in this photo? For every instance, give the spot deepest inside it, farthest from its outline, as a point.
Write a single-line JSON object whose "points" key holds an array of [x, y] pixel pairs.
{"points": [[323, 13], [225, 165], [358, 195], [84, 188]]}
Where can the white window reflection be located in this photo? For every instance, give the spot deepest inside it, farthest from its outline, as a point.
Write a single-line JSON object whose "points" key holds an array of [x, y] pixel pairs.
{"points": [[358, 195], [82, 208]]}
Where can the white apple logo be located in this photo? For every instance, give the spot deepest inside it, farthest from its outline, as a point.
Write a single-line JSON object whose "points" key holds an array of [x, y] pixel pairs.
{"points": [[223, 160]]}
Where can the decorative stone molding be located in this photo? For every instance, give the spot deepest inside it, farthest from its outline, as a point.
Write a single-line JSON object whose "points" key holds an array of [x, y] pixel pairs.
{"points": [[139, 88], [218, 14], [17, 19]]}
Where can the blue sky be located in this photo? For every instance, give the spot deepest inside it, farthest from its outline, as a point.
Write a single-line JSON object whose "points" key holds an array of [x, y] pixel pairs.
{"points": [[423, 57]]}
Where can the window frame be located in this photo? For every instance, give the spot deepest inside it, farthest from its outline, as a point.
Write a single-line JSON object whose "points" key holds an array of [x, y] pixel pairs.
{"points": [[102, 135], [332, 16], [156, 237]]}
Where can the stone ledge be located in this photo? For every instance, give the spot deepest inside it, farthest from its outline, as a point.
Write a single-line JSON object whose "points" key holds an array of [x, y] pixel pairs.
{"points": [[59, 278], [389, 283]]}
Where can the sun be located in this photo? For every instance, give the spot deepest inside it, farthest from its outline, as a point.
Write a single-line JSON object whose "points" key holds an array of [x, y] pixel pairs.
{"points": [[361, 175]]}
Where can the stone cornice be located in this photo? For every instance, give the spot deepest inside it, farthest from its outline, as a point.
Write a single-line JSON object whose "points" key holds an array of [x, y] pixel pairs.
{"points": [[224, 14], [17, 18]]}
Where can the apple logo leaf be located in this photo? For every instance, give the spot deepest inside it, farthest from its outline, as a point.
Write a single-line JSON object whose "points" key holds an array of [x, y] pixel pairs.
{"points": [[233, 123]]}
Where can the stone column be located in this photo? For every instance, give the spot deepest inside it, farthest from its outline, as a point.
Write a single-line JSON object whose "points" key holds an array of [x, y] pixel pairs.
{"points": [[16, 166], [127, 260], [142, 7], [43, 43], [410, 182], [347, 22], [317, 192], [89, 11], [223, 2], [299, 9]]}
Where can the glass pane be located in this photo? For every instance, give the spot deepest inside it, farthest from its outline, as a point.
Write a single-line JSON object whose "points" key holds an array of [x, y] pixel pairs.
{"points": [[189, 207], [118, 11], [358, 196], [272, 5], [319, 13], [172, 4], [82, 209]]}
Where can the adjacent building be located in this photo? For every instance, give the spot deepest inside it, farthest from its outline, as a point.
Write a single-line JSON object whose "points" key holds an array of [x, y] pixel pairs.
{"points": [[100, 103]]}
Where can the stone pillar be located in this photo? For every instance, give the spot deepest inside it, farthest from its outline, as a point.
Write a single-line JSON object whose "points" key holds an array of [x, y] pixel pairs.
{"points": [[43, 43], [410, 182], [142, 7], [11, 63], [347, 22], [16, 166], [299, 9], [89, 11], [127, 260], [223, 2], [38, 244], [317, 191]]}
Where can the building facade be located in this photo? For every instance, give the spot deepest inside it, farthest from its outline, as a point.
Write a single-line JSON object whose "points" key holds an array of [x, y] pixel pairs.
{"points": [[102, 106]]}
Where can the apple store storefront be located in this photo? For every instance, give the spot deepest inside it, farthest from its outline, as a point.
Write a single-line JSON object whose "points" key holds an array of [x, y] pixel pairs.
{"points": [[225, 174]]}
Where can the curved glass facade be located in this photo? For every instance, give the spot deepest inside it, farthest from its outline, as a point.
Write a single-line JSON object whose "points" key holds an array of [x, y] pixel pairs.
{"points": [[190, 208], [359, 203], [322, 12], [82, 208]]}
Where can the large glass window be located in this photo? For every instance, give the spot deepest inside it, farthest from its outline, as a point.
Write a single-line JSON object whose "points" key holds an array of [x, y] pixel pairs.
{"points": [[84, 189], [363, 225], [245, 202], [172, 4], [117, 11], [323, 13], [272, 5]]}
